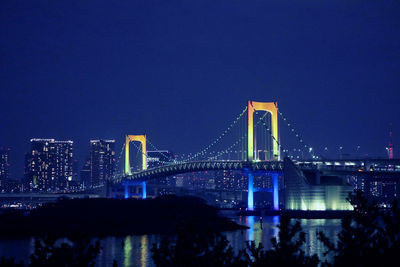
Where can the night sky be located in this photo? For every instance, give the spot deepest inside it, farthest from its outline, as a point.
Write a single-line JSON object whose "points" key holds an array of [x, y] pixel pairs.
{"points": [[181, 71]]}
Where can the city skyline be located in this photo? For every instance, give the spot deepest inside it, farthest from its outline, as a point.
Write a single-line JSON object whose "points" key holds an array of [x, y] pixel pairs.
{"points": [[141, 133], [81, 77], [68, 73], [352, 152]]}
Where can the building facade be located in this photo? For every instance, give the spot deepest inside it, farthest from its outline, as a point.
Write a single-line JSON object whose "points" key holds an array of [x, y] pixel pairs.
{"points": [[4, 167], [49, 165], [100, 165]]}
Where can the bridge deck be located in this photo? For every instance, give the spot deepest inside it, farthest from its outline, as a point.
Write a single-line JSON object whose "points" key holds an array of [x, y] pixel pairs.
{"points": [[197, 166], [331, 167]]}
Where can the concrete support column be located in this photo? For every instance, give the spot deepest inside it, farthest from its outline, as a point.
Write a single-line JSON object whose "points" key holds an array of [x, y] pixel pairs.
{"points": [[144, 190], [275, 183], [126, 191], [250, 192]]}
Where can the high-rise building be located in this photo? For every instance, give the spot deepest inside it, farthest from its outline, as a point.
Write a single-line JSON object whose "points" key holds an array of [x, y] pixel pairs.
{"points": [[4, 166], [49, 165], [85, 173], [101, 162]]}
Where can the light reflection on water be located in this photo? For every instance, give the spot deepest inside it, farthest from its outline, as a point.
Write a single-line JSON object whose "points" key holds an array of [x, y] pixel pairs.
{"points": [[135, 250], [262, 229], [127, 251], [144, 250]]}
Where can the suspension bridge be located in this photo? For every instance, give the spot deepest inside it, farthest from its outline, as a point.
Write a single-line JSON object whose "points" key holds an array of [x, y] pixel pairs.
{"points": [[242, 154]]}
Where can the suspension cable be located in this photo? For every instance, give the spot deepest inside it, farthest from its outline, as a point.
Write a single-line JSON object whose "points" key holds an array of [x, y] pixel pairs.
{"points": [[163, 155], [240, 138], [292, 130], [202, 152]]}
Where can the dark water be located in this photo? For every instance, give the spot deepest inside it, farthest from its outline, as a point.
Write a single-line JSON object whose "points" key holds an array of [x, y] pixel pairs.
{"points": [[135, 250]]}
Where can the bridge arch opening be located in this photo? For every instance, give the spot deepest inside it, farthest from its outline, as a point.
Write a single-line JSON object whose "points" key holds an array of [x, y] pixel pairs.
{"points": [[272, 108], [128, 140]]}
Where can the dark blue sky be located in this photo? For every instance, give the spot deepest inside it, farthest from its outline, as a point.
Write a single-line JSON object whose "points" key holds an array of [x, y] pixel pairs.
{"points": [[181, 70]]}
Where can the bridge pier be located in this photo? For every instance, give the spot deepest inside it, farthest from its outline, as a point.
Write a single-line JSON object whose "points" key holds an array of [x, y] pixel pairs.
{"points": [[250, 191], [128, 194], [144, 190], [275, 184]]}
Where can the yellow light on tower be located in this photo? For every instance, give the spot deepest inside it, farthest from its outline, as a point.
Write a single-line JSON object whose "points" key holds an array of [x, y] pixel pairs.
{"points": [[271, 107], [142, 140]]}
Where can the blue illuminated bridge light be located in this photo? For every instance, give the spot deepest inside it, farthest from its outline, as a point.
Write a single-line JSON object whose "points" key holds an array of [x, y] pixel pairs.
{"points": [[300, 194]]}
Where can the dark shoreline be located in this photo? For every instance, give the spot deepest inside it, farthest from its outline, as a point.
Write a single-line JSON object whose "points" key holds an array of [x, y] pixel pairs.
{"points": [[114, 217]]}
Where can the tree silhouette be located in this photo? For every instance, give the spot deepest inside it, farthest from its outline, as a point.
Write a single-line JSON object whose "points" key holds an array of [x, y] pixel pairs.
{"points": [[369, 237], [193, 248], [76, 251], [10, 262], [286, 250]]}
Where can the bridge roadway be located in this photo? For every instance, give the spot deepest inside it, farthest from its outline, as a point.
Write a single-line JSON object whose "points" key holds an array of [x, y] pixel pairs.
{"points": [[198, 166], [329, 167]]}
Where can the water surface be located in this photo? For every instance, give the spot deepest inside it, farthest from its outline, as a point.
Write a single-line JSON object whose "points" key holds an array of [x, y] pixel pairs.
{"points": [[135, 250]]}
